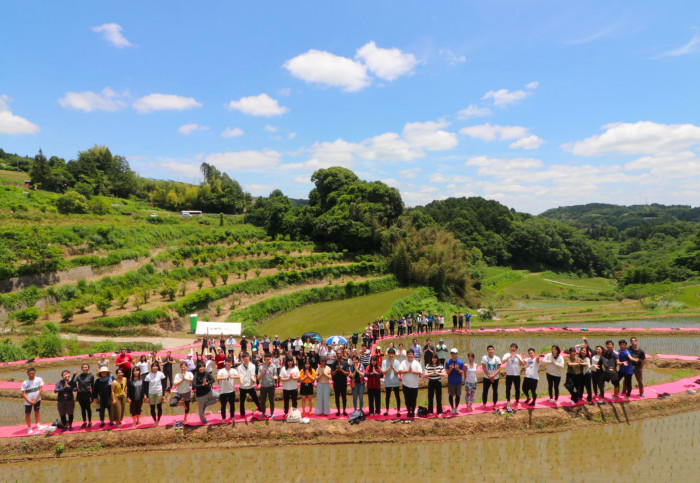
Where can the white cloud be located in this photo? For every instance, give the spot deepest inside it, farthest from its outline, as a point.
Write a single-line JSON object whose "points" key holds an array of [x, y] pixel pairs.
{"points": [[389, 147], [13, 124], [595, 36], [473, 111], [291, 135], [643, 137], [387, 64], [394, 183], [270, 128], [503, 97], [260, 105], [325, 68], [165, 102], [684, 164], [188, 129], [188, 170], [692, 46], [500, 167], [528, 142], [259, 189], [88, 101], [331, 153], [112, 32], [245, 160], [444, 178], [410, 173], [302, 179], [494, 132], [429, 135], [232, 132], [452, 58]]}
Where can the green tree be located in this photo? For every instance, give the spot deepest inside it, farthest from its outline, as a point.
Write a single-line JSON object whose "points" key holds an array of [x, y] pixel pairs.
{"points": [[103, 305], [72, 202]]}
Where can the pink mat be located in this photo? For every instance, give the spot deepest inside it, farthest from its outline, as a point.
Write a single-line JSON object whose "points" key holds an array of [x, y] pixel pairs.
{"points": [[680, 358]]}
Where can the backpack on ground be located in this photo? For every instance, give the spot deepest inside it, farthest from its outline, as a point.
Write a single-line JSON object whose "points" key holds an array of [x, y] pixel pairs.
{"points": [[356, 417], [422, 412]]}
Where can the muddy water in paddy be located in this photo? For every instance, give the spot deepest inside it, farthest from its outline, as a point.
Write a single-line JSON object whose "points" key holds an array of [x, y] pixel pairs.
{"points": [[669, 322], [652, 449]]}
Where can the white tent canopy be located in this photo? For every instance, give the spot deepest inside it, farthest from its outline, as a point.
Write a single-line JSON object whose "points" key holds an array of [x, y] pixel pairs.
{"points": [[218, 328]]}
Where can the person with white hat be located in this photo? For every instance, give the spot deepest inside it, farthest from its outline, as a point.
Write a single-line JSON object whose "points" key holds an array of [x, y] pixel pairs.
{"points": [[103, 394]]}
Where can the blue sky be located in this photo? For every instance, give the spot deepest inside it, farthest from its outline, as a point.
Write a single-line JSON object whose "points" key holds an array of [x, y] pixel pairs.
{"points": [[536, 104]]}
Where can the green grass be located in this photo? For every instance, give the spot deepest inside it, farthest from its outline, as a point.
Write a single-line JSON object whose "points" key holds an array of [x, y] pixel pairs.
{"points": [[340, 317], [13, 177], [690, 296]]}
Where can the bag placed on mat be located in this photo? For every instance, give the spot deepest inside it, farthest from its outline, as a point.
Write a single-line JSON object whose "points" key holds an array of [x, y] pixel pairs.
{"points": [[356, 417], [422, 412], [294, 416]]}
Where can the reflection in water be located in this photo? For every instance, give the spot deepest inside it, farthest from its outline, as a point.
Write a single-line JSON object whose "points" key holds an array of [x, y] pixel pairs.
{"points": [[652, 449]]}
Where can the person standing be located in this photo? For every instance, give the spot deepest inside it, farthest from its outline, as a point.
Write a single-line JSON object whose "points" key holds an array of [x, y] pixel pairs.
{"points": [[307, 376], [66, 401], [357, 381], [118, 398], [491, 366], [554, 367], [410, 372], [85, 382], [168, 362], [470, 369], [392, 326], [103, 394], [203, 382], [532, 366], [434, 372], [468, 320], [428, 351], [183, 389], [608, 364], [514, 362], [374, 375], [289, 375], [454, 322], [244, 345], [155, 390], [597, 374], [637, 356], [390, 369], [626, 368], [267, 378], [339, 372], [454, 368], [124, 362], [441, 351], [226, 377], [135, 395], [574, 375], [31, 393], [247, 374], [416, 348], [230, 346], [460, 321], [323, 389]]}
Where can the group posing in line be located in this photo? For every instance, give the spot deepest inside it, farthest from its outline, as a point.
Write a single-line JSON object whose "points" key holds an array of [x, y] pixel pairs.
{"points": [[301, 370]]}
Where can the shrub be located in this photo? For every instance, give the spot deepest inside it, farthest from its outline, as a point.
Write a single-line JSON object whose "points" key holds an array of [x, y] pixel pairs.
{"points": [[11, 352], [103, 305], [72, 202], [26, 316], [99, 206]]}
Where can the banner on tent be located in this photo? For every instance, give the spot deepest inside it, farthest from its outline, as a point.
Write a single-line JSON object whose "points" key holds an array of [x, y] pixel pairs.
{"points": [[218, 328]]}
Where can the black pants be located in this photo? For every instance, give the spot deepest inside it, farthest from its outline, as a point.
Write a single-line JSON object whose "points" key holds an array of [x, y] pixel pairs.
{"points": [[513, 380], [168, 371], [598, 383], [410, 394], [395, 390], [227, 398], [485, 393], [340, 389], [553, 385], [435, 391], [381, 332], [85, 409], [588, 386], [627, 386], [574, 384], [290, 395], [156, 411], [391, 330], [375, 405], [253, 396], [530, 389], [105, 401]]}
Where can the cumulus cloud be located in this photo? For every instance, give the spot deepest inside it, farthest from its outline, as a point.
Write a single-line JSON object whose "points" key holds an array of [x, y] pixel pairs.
{"points": [[430, 135], [387, 64], [188, 129], [187, 170], [165, 102], [472, 111], [259, 189], [112, 32], [88, 101], [13, 124], [643, 137], [245, 160], [684, 164], [232, 132], [504, 97], [494, 132], [260, 105], [320, 67], [528, 142], [489, 166], [389, 147]]}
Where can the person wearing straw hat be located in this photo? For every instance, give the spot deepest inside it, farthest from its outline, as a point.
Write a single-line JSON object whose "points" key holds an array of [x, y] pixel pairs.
{"points": [[103, 394]]}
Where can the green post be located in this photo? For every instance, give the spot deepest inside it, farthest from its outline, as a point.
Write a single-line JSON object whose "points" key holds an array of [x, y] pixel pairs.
{"points": [[193, 323]]}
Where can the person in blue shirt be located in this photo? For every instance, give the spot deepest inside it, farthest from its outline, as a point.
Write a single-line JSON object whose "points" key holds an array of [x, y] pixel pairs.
{"points": [[454, 368], [468, 318], [626, 368]]}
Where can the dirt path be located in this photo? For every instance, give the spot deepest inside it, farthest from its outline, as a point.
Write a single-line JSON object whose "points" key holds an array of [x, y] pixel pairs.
{"points": [[166, 342]]}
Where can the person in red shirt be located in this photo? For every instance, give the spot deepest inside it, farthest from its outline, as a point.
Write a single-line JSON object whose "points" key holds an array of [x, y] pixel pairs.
{"points": [[220, 359], [124, 362]]}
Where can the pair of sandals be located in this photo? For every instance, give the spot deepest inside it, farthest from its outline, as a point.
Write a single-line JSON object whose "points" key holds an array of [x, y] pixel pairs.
{"points": [[664, 395]]}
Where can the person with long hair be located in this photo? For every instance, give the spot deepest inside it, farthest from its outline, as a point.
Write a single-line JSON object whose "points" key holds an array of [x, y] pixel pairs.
{"points": [[85, 382], [155, 385], [66, 401], [554, 368], [135, 395], [470, 381], [374, 387], [434, 372], [182, 383], [323, 389], [339, 375], [144, 366], [574, 375], [307, 376], [357, 381], [532, 367], [203, 382], [118, 398], [289, 375], [597, 374]]}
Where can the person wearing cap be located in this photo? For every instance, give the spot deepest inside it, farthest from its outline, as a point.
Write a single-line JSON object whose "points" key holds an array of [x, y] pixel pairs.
{"points": [[103, 394], [124, 362], [434, 372], [441, 351], [323, 389], [455, 370], [391, 370]]}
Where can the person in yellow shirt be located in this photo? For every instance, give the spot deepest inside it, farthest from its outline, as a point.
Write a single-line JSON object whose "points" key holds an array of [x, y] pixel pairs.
{"points": [[307, 376]]}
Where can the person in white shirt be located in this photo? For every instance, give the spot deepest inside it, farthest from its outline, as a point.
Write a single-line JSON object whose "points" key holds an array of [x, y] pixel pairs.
{"points": [[182, 385], [554, 367], [230, 345], [289, 375], [391, 369], [514, 362], [31, 393], [470, 380], [156, 389], [227, 390], [410, 371], [532, 366], [246, 373], [297, 345], [491, 365]]}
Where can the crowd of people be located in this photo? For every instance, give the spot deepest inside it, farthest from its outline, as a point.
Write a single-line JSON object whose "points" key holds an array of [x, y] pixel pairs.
{"points": [[308, 368]]}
